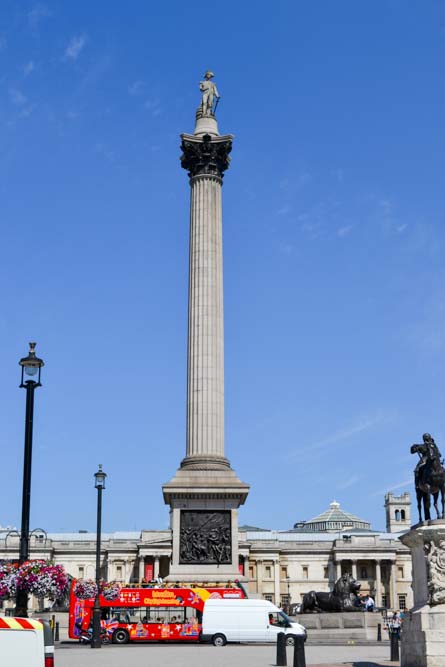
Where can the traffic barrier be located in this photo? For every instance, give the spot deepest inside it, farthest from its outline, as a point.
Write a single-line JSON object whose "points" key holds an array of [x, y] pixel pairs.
{"points": [[394, 646], [281, 650], [379, 632], [299, 657], [56, 634]]}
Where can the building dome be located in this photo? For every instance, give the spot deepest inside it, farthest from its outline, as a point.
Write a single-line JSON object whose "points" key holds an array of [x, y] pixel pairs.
{"points": [[333, 520]]}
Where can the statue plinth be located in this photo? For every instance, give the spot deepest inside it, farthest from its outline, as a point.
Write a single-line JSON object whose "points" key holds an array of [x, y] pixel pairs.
{"points": [[423, 633]]}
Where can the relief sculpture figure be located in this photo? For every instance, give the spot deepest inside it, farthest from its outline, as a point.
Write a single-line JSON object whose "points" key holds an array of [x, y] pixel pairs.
{"points": [[435, 556]]}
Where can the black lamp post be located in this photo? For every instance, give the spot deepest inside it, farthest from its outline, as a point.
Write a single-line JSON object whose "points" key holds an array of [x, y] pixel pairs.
{"points": [[100, 485], [288, 592], [31, 366]]}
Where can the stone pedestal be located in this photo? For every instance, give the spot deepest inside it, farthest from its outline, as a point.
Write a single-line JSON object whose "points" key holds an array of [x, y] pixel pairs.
{"points": [[205, 493], [423, 633]]}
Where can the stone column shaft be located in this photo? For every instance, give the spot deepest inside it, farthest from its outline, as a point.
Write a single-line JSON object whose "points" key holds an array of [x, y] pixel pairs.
{"points": [[378, 584], [141, 567], [205, 385]]}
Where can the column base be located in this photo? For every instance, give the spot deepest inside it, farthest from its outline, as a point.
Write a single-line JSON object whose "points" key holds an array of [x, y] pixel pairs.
{"points": [[423, 638], [205, 463]]}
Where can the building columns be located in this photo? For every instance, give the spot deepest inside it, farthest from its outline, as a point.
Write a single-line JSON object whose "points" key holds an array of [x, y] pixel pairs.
{"points": [[259, 576], [354, 569], [141, 567], [156, 567], [392, 587], [277, 587], [337, 570], [378, 584]]}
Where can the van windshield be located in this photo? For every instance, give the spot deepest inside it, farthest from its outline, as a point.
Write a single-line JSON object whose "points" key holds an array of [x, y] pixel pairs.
{"points": [[279, 618], [285, 617]]}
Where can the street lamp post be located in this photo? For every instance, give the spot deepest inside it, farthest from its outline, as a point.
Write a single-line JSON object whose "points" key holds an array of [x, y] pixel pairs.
{"points": [[100, 485], [31, 366], [288, 592]]}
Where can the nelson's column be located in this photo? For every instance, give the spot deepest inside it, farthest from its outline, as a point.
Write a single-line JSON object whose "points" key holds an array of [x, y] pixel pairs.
{"points": [[205, 493]]}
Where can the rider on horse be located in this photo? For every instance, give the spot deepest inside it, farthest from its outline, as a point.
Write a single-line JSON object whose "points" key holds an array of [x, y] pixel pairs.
{"points": [[429, 453]]}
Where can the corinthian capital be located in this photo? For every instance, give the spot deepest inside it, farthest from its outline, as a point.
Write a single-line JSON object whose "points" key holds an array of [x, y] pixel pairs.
{"points": [[207, 155]]}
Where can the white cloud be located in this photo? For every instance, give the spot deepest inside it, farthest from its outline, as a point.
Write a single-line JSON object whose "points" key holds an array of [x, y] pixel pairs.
{"points": [[360, 425], [284, 209], [398, 485], [75, 47], [37, 13], [344, 231], [17, 97], [350, 481], [28, 68], [154, 106], [136, 88]]}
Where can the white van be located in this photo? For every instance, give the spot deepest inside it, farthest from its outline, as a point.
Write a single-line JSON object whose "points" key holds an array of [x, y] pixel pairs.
{"points": [[25, 642], [246, 620]]}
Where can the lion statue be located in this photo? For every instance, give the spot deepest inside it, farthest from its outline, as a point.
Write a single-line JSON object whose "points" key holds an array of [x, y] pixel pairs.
{"points": [[344, 597]]}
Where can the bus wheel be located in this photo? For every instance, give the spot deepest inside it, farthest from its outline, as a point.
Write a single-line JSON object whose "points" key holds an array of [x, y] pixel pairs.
{"points": [[219, 640], [290, 640], [120, 637]]}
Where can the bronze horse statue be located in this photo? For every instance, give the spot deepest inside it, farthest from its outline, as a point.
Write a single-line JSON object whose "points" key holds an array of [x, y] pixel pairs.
{"points": [[344, 597], [429, 478]]}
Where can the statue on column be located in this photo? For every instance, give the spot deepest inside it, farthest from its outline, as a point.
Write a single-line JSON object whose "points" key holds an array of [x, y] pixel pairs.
{"points": [[429, 477], [209, 93]]}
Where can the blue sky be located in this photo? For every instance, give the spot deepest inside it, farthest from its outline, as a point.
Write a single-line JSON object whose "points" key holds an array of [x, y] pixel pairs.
{"points": [[333, 249]]}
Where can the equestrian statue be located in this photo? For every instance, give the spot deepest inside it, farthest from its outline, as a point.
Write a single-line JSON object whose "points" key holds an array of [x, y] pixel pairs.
{"points": [[344, 597], [429, 477]]}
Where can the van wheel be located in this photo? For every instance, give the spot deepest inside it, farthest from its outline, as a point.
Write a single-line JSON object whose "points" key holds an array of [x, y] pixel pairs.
{"points": [[219, 640], [120, 637], [290, 640]]}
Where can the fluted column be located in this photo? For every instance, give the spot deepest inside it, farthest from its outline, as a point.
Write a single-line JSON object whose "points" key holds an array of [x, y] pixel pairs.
{"points": [[206, 159], [378, 584]]}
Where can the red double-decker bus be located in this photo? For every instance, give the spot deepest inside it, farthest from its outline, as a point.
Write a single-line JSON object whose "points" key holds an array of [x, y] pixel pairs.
{"points": [[149, 613]]}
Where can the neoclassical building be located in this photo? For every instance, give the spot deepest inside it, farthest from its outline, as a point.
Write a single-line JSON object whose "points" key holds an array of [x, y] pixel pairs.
{"points": [[278, 565]]}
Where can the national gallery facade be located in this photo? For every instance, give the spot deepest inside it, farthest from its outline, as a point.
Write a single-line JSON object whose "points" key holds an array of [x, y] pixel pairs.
{"points": [[280, 566]]}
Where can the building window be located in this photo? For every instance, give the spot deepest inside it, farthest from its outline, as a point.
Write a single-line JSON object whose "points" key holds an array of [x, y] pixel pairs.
{"points": [[305, 572], [269, 598], [326, 572], [402, 515], [268, 572], [384, 601], [81, 570], [363, 573], [402, 601], [397, 515], [400, 572], [284, 572], [119, 572], [250, 571], [284, 600]]}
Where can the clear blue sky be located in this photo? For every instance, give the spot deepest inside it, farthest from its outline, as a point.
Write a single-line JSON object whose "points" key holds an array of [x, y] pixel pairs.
{"points": [[333, 249]]}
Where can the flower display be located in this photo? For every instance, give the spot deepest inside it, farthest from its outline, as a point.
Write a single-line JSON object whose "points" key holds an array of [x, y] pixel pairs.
{"points": [[8, 580], [42, 579], [37, 577], [110, 590], [84, 589]]}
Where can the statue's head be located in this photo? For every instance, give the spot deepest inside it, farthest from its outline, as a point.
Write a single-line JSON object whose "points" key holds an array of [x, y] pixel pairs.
{"points": [[347, 585], [427, 438], [208, 75]]}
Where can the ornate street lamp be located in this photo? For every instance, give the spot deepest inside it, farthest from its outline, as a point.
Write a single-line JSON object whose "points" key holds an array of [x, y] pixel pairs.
{"points": [[99, 483], [31, 367]]}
